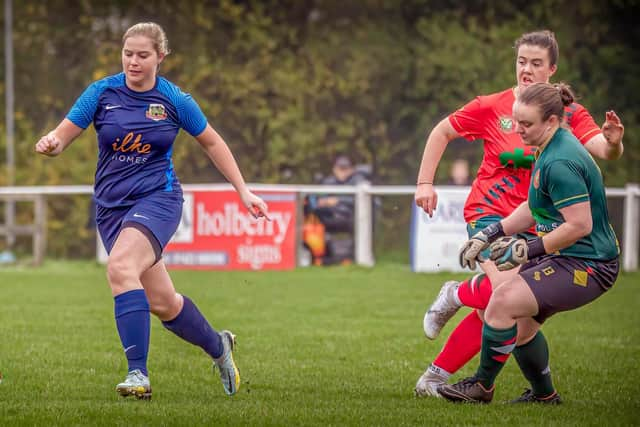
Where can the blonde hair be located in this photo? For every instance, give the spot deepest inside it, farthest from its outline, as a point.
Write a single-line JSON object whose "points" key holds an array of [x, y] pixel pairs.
{"points": [[154, 32]]}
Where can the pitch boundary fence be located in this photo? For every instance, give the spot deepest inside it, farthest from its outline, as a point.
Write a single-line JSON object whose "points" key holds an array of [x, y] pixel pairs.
{"points": [[363, 211]]}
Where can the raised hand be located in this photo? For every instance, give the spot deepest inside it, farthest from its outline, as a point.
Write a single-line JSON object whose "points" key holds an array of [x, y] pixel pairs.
{"points": [[612, 129]]}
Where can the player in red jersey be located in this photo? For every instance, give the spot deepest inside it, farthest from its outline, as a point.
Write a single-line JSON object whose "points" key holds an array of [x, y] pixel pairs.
{"points": [[500, 186]]}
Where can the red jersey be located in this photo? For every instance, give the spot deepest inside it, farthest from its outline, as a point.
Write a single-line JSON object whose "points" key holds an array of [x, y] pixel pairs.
{"points": [[502, 182]]}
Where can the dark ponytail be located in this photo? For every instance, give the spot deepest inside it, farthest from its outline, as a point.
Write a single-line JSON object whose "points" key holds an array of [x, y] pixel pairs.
{"points": [[566, 94]]}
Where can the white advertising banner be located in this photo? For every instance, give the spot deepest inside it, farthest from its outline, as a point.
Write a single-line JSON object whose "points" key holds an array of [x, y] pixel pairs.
{"points": [[435, 241]]}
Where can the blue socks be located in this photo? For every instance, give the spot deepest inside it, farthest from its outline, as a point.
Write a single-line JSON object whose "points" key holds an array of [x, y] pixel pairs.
{"points": [[133, 322], [191, 326]]}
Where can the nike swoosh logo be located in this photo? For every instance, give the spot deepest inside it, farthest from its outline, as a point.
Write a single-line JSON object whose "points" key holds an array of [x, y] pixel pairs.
{"points": [[129, 348], [111, 107], [137, 215]]}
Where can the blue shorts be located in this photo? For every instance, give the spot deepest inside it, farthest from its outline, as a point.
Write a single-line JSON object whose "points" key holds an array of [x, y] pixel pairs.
{"points": [[478, 224], [157, 216]]}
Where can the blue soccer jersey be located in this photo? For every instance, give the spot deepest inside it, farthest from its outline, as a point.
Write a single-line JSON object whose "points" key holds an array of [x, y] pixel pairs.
{"points": [[136, 131]]}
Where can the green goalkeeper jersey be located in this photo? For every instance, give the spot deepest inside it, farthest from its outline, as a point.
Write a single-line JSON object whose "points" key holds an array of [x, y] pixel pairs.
{"points": [[565, 174]]}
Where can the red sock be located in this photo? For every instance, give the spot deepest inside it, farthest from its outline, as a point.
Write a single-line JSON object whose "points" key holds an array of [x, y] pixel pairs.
{"points": [[463, 343], [475, 292]]}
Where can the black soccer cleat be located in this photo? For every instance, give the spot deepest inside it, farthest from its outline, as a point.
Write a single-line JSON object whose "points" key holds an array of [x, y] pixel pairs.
{"points": [[529, 397], [468, 390]]}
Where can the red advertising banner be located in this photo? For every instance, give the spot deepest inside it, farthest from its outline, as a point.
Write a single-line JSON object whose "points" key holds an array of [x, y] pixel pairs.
{"points": [[217, 232]]}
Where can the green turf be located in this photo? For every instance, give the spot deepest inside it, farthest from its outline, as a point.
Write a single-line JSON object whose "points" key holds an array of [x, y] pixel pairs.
{"points": [[320, 346]]}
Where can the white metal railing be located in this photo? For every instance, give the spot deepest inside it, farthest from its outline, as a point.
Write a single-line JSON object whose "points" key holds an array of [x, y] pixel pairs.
{"points": [[363, 214]]}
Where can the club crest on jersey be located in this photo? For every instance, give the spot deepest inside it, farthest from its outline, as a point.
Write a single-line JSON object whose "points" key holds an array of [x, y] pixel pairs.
{"points": [[536, 180], [156, 112], [506, 124]]}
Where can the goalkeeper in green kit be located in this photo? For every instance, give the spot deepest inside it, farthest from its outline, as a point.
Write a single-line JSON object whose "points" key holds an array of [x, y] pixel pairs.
{"points": [[573, 261]]}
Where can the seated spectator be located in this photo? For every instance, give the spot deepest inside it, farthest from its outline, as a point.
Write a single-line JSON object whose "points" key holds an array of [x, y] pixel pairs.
{"points": [[337, 212], [335, 215]]}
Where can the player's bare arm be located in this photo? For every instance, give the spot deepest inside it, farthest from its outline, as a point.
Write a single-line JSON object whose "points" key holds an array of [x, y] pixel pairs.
{"points": [[578, 223], [608, 145], [519, 220], [221, 156], [426, 196]]}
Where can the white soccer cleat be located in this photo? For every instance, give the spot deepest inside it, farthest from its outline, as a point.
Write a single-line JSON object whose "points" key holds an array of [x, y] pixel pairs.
{"points": [[443, 308], [428, 383], [229, 374], [135, 384]]}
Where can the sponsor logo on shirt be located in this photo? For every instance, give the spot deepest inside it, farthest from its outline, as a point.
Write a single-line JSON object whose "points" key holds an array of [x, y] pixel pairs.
{"points": [[156, 112], [129, 144], [127, 150], [506, 124], [536, 180]]}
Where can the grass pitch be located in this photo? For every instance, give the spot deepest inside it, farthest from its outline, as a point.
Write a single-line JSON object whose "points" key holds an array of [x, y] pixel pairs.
{"points": [[319, 346]]}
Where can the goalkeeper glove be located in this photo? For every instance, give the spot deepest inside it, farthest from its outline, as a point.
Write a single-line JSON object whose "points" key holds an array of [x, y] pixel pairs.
{"points": [[509, 252], [471, 251]]}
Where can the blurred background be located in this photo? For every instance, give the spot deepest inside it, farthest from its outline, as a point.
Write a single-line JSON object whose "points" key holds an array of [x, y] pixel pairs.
{"points": [[291, 84]]}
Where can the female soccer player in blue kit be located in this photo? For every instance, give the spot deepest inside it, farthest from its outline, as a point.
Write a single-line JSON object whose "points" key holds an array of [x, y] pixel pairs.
{"points": [[137, 115]]}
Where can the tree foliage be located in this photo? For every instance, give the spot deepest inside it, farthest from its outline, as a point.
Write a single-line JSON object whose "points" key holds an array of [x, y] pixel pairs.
{"points": [[291, 83]]}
